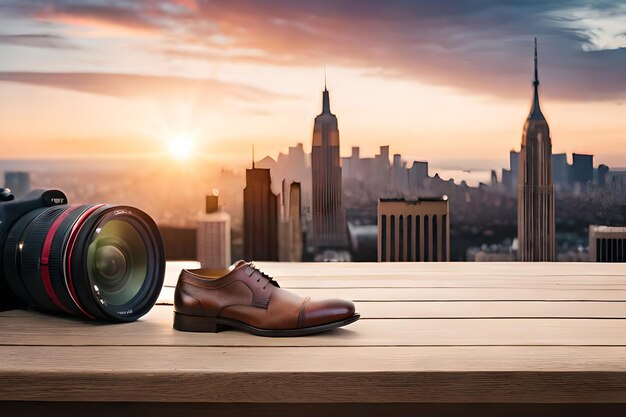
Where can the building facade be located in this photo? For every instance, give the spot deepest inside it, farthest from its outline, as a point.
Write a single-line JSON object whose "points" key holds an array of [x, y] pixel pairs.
{"points": [[535, 196], [510, 176], [413, 230], [329, 229], [560, 172], [290, 230], [18, 182], [417, 174], [607, 244], [260, 217], [582, 169], [616, 181], [213, 236]]}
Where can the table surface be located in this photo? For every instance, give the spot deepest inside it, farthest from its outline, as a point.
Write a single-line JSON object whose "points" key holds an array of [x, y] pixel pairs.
{"points": [[429, 333]]}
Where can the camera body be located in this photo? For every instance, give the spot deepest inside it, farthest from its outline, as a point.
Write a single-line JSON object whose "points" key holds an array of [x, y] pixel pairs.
{"points": [[10, 211], [95, 261]]}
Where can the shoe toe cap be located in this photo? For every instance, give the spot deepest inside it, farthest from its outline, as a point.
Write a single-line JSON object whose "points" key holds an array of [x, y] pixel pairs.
{"points": [[326, 311]]}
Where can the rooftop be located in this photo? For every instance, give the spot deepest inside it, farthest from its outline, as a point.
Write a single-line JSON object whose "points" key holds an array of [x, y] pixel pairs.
{"points": [[608, 229], [412, 201]]}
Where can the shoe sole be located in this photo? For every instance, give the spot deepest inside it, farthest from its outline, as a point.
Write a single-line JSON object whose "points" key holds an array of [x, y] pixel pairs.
{"points": [[187, 323]]}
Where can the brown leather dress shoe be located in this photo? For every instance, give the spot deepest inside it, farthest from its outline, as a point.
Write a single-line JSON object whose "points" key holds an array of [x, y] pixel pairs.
{"points": [[245, 298]]}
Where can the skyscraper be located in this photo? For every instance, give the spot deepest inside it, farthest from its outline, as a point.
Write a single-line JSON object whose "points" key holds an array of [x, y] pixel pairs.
{"points": [[417, 174], [560, 171], [413, 230], [535, 193], [290, 223], [329, 218], [213, 236], [260, 217], [607, 244], [17, 182], [582, 168], [509, 176]]}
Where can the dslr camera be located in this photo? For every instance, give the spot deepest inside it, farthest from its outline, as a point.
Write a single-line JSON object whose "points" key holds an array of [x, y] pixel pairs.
{"points": [[101, 262]]}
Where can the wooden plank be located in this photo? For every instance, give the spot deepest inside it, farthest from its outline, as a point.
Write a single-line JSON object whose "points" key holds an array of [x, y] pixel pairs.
{"points": [[465, 294], [547, 282], [15, 313], [396, 281], [282, 360], [173, 268], [457, 294], [375, 375], [470, 309], [492, 309], [610, 273], [331, 387], [465, 268], [156, 329], [201, 409], [448, 294]]}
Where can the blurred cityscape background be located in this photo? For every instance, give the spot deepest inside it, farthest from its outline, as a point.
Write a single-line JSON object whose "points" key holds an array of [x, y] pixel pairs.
{"points": [[426, 142], [481, 205]]}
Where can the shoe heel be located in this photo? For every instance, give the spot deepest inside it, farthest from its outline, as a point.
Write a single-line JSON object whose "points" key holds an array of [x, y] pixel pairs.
{"points": [[186, 323]]}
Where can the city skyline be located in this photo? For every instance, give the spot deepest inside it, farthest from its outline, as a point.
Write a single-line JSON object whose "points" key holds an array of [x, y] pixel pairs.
{"points": [[453, 103], [273, 226]]}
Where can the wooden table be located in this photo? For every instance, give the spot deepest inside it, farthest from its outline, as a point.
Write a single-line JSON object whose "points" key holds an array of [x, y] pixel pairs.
{"points": [[436, 338]]}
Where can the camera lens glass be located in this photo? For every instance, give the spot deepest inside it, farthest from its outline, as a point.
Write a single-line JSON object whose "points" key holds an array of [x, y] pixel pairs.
{"points": [[117, 261], [103, 262]]}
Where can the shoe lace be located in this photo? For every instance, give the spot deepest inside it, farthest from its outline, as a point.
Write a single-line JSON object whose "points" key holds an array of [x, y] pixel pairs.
{"points": [[263, 275]]}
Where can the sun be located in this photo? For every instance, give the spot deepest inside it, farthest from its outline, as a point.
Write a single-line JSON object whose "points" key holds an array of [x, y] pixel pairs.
{"points": [[181, 147]]}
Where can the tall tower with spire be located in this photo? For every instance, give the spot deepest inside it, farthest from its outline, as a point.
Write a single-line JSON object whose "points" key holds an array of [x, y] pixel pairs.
{"points": [[260, 216], [535, 193], [328, 216]]}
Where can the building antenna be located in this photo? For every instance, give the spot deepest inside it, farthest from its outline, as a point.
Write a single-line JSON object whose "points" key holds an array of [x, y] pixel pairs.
{"points": [[325, 89], [536, 80], [253, 156]]}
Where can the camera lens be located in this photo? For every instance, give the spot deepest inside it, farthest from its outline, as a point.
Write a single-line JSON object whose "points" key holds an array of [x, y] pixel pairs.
{"points": [[117, 261], [110, 263], [103, 262]]}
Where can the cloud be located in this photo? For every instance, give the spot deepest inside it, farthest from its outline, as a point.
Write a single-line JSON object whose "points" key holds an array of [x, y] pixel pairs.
{"points": [[120, 18], [134, 86], [483, 46], [37, 40]]}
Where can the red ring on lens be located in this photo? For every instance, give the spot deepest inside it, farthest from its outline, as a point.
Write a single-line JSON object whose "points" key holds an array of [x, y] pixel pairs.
{"points": [[69, 282], [45, 255]]}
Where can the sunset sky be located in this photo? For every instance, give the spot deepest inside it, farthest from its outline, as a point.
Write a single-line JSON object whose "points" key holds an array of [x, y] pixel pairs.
{"points": [[445, 81]]}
